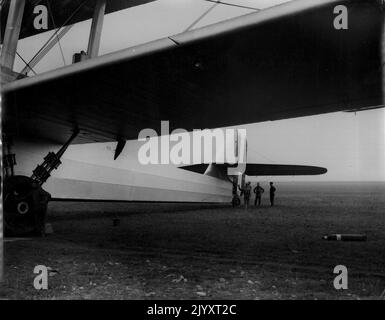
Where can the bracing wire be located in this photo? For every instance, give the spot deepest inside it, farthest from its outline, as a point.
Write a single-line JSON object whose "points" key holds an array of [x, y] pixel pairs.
{"points": [[200, 17], [233, 5], [56, 32], [54, 25]]}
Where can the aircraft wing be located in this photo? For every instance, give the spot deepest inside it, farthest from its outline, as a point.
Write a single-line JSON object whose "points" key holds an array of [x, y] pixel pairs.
{"points": [[282, 62], [258, 169]]}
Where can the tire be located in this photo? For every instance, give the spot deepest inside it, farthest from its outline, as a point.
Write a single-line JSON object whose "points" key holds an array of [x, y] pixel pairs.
{"points": [[25, 207]]}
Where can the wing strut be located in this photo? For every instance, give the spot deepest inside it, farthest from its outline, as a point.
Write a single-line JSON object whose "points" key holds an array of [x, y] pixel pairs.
{"points": [[96, 29], [11, 37]]}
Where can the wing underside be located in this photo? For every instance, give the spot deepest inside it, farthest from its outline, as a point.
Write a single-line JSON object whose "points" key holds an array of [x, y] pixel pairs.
{"points": [[282, 62]]}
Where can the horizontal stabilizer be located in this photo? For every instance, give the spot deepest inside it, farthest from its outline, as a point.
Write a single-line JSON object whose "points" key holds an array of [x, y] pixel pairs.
{"points": [[257, 169]]}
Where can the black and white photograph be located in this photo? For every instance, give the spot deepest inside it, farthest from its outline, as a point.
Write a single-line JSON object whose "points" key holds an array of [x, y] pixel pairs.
{"points": [[192, 150]]}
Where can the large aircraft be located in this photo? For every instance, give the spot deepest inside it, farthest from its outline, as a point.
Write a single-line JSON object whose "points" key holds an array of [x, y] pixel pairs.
{"points": [[289, 60]]}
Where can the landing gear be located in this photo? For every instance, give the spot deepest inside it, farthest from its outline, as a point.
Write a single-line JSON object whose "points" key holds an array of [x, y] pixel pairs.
{"points": [[25, 201], [25, 207], [236, 201]]}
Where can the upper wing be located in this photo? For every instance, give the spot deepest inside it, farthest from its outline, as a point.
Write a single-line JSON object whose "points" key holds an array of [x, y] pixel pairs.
{"points": [[282, 62], [63, 12]]}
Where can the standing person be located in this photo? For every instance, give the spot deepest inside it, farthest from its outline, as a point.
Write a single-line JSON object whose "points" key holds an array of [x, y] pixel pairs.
{"points": [[246, 191], [258, 190], [272, 193], [235, 201]]}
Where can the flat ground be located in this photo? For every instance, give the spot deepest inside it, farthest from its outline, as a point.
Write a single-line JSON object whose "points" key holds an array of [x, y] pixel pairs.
{"points": [[187, 252]]}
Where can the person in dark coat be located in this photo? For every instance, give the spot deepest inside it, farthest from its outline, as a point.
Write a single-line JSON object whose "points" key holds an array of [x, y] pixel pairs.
{"points": [[258, 190], [272, 193], [246, 192]]}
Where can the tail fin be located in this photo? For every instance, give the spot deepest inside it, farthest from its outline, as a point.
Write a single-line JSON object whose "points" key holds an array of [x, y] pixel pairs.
{"points": [[240, 154]]}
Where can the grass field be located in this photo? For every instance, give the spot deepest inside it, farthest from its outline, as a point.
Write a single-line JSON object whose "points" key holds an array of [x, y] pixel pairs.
{"points": [[187, 252]]}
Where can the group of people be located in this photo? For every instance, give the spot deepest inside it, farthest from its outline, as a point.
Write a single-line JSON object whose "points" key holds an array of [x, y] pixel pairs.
{"points": [[258, 191]]}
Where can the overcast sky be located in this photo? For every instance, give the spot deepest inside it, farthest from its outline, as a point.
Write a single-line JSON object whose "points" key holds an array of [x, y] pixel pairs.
{"points": [[351, 146]]}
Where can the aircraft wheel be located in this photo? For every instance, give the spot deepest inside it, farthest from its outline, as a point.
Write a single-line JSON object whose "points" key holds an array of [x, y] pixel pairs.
{"points": [[25, 207]]}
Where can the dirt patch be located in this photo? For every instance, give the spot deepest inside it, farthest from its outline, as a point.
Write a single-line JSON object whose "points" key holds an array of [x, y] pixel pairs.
{"points": [[211, 253]]}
